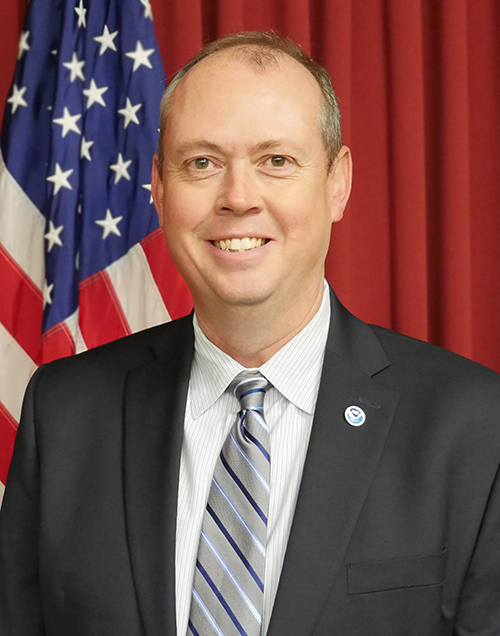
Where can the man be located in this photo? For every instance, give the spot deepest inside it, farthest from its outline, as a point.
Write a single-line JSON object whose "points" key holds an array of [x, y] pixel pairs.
{"points": [[383, 512]]}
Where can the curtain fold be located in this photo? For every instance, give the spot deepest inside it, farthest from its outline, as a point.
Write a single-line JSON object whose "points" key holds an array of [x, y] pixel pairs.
{"points": [[419, 90]]}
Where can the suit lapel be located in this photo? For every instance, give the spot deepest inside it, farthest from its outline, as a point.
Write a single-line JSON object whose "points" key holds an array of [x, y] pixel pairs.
{"points": [[155, 396], [340, 464]]}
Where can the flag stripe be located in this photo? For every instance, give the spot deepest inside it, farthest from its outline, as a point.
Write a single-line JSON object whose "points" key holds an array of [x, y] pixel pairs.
{"points": [[21, 308], [57, 342], [101, 316], [15, 363], [27, 246], [75, 331], [8, 429], [173, 288], [137, 291]]}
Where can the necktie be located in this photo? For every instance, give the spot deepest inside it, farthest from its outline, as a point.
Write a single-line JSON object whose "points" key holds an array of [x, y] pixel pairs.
{"points": [[228, 586]]}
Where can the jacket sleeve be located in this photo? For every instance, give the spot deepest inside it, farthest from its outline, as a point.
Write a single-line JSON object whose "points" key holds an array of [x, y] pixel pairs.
{"points": [[20, 598], [479, 608]]}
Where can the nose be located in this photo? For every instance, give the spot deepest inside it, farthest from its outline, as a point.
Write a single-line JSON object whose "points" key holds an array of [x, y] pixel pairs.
{"points": [[239, 191]]}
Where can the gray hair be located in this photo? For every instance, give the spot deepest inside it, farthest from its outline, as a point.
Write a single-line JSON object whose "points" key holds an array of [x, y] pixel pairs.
{"points": [[263, 49]]}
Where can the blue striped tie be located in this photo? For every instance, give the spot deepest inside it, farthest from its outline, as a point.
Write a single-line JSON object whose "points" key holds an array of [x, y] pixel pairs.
{"points": [[228, 587]]}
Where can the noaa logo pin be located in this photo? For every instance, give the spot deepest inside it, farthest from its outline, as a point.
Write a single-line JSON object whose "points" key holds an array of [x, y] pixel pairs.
{"points": [[354, 416]]}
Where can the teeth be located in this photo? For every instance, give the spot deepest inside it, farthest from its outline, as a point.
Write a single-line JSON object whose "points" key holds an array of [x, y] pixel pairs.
{"points": [[239, 245]]}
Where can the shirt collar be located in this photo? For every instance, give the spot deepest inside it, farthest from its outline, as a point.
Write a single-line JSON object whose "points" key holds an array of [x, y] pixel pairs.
{"points": [[294, 370]]}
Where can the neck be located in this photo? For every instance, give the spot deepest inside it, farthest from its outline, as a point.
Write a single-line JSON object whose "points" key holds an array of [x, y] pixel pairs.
{"points": [[252, 334]]}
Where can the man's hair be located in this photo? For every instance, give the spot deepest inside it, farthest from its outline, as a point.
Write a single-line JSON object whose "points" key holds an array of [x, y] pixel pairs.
{"points": [[263, 50]]}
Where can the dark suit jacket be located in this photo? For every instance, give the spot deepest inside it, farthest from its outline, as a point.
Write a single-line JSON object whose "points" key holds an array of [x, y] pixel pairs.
{"points": [[397, 525]]}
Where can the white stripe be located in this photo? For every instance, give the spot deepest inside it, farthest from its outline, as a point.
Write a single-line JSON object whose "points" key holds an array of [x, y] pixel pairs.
{"points": [[207, 613], [259, 418], [249, 463], [22, 227], [137, 291], [2, 490], [16, 369], [255, 612], [74, 328], [235, 510], [262, 385]]}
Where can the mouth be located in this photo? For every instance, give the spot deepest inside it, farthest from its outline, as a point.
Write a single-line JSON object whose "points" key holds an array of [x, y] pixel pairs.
{"points": [[240, 244]]}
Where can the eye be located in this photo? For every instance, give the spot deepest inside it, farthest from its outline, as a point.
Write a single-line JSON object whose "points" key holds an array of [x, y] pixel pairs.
{"points": [[278, 161], [200, 163]]}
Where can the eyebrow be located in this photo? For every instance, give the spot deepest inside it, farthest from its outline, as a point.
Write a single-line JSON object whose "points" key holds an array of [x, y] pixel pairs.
{"points": [[197, 145], [200, 145], [275, 144]]}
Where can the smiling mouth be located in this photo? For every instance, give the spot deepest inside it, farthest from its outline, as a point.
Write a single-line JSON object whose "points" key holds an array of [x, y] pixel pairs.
{"points": [[239, 245]]}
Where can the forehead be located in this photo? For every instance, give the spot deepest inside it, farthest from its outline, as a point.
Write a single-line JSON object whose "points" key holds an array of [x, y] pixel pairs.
{"points": [[226, 87]]}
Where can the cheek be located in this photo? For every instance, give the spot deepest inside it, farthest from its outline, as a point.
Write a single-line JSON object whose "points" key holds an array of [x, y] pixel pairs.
{"points": [[307, 227], [305, 216], [180, 210]]}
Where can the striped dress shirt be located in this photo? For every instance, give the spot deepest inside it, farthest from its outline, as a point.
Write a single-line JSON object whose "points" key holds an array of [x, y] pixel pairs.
{"points": [[294, 372]]}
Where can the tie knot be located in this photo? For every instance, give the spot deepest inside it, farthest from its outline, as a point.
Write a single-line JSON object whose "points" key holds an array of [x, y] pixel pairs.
{"points": [[250, 388]]}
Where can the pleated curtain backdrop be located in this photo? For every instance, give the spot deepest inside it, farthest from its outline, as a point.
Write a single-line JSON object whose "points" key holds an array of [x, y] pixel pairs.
{"points": [[419, 88]]}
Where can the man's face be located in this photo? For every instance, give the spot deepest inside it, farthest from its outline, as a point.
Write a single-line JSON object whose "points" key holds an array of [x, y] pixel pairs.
{"points": [[245, 200]]}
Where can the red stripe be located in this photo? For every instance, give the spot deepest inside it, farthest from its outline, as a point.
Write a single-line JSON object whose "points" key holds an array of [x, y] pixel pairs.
{"points": [[8, 430], [21, 306], [173, 288], [57, 342], [101, 315]]}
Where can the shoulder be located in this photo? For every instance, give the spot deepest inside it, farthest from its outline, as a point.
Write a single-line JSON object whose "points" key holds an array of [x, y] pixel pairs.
{"points": [[439, 386], [399, 361], [110, 363], [412, 358]]}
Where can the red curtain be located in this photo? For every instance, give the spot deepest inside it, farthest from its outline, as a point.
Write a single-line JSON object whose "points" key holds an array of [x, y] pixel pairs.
{"points": [[419, 89]]}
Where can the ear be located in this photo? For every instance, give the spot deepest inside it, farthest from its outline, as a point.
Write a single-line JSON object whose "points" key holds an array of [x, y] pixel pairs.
{"points": [[157, 189], [340, 182]]}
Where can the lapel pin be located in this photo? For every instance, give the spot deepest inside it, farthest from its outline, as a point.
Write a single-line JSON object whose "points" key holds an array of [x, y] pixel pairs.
{"points": [[354, 416]]}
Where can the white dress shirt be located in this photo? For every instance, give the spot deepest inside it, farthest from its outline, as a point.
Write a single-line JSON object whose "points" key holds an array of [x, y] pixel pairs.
{"points": [[294, 371]]}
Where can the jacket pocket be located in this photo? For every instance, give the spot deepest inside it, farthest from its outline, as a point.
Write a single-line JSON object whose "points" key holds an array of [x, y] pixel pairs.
{"points": [[393, 574]]}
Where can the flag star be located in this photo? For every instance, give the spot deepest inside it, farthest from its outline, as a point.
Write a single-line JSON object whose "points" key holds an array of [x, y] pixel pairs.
{"points": [[76, 68], [109, 225], [129, 113], [53, 235], [47, 290], [120, 168], [23, 44], [85, 149], [148, 13], [94, 94], [80, 11], [106, 40], [68, 122], [17, 99], [140, 56], [147, 186], [77, 260], [60, 179]]}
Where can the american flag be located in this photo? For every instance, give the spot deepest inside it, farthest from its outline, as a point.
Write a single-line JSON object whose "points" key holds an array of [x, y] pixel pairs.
{"points": [[82, 260]]}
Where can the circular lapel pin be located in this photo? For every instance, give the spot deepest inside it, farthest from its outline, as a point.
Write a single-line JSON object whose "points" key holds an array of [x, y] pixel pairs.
{"points": [[354, 416]]}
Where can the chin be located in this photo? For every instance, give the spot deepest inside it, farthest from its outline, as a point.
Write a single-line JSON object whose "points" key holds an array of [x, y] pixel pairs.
{"points": [[241, 295], [242, 299]]}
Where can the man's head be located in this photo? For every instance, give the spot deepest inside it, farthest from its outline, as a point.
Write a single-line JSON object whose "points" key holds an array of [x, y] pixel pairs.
{"points": [[263, 49], [247, 192]]}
